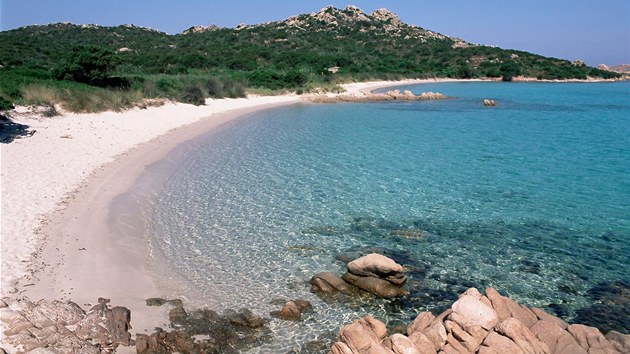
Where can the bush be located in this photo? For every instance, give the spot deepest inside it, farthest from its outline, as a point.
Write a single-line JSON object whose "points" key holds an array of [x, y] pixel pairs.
{"points": [[214, 87], [233, 89], [193, 94], [5, 105], [90, 65]]}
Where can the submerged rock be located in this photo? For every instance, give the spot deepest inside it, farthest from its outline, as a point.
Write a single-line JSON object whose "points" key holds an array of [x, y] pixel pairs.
{"points": [[292, 310], [330, 283], [376, 286], [205, 331]]}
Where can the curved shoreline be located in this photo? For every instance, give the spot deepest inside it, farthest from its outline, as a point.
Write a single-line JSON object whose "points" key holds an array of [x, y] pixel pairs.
{"points": [[75, 257], [58, 187]]}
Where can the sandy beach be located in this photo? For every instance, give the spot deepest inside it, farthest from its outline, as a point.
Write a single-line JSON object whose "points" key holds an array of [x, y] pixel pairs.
{"points": [[59, 184]]}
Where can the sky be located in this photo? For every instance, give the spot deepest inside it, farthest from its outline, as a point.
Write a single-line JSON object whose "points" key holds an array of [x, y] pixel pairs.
{"points": [[593, 31]]}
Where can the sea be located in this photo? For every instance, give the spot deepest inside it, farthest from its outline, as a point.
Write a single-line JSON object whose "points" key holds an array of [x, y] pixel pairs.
{"points": [[531, 197]]}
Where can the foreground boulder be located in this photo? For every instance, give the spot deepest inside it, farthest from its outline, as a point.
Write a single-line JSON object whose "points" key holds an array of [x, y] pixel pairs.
{"points": [[64, 327], [485, 324]]}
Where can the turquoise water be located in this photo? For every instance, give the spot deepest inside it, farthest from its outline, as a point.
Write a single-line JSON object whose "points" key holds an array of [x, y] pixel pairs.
{"points": [[531, 197]]}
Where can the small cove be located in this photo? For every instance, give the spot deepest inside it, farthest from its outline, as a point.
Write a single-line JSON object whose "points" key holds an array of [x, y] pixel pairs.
{"points": [[527, 197]]}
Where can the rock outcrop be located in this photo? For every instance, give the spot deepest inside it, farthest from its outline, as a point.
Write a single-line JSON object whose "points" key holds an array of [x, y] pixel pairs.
{"points": [[64, 327], [369, 97], [374, 273], [484, 324]]}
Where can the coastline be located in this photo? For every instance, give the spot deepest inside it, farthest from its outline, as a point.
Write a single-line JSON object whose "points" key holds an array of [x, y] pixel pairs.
{"points": [[58, 207], [55, 209]]}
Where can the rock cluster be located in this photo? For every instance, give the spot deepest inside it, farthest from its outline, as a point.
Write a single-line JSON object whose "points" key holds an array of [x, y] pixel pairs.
{"points": [[204, 331], [490, 324], [63, 327], [388, 96], [374, 273]]}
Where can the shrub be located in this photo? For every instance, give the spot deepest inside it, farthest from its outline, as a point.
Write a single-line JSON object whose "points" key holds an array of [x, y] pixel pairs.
{"points": [[233, 89], [91, 65], [5, 105], [193, 94], [50, 111], [214, 87]]}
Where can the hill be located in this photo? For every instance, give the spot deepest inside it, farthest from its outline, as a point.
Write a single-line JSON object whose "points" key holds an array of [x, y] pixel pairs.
{"points": [[302, 52]]}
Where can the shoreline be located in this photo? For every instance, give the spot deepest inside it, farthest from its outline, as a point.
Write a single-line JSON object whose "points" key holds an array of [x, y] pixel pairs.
{"points": [[66, 229], [55, 210], [58, 208]]}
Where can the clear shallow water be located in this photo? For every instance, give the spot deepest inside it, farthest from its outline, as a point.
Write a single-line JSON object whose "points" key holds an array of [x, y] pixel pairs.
{"points": [[531, 197]]}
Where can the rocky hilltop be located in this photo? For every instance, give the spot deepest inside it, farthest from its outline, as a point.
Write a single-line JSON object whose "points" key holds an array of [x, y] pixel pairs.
{"points": [[621, 68], [381, 21]]}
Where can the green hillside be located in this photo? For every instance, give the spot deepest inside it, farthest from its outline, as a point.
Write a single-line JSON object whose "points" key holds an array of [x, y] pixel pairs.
{"points": [[299, 53]]}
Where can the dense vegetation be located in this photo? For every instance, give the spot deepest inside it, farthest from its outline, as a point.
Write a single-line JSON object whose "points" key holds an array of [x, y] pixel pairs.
{"points": [[67, 61]]}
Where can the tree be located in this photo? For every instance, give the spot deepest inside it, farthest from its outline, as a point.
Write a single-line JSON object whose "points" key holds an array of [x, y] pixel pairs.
{"points": [[509, 69], [90, 65]]}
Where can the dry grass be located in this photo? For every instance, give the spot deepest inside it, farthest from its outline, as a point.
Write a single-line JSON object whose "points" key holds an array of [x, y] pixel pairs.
{"points": [[41, 95]]}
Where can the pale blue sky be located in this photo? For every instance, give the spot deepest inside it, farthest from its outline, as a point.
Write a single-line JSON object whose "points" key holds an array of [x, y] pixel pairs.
{"points": [[594, 31]]}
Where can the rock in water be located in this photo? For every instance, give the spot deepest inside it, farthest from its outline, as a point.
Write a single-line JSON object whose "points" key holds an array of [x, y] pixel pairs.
{"points": [[378, 266], [292, 310], [375, 286], [329, 283]]}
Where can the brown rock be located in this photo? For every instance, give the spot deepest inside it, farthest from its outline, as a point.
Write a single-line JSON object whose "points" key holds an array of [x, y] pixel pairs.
{"points": [[290, 312], [436, 333], [621, 342], [420, 323], [424, 344], [365, 336], [329, 283], [470, 311], [498, 344], [522, 336], [470, 341], [379, 266], [558, 340], [65, 313], [591, 339], [454, 346], [401, 344], [520, 312], [542, 315], [376, 286], [498, 304], [340, 348], [177, 314]]}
